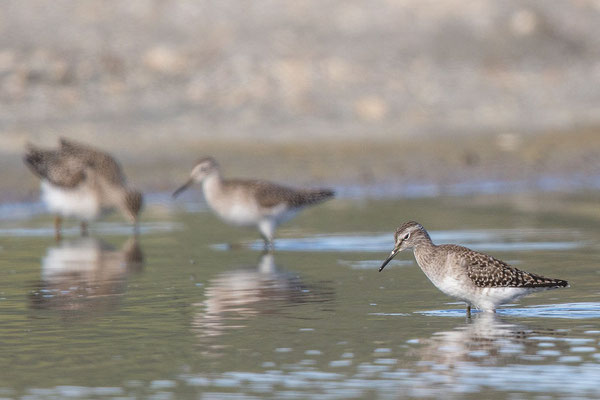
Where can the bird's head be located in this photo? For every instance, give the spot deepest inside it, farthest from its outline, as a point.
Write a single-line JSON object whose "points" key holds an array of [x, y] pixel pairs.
{"points": [[203, 168], [406, 237]]}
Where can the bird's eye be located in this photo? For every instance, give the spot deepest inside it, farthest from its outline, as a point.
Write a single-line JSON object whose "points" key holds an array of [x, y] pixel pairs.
{"points": [[406, 236]]}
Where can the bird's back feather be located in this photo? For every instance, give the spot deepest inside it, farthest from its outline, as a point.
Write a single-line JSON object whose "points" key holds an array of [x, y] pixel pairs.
{"points": [[102, 162], [487, 271], [270, 194], [66, 167]]}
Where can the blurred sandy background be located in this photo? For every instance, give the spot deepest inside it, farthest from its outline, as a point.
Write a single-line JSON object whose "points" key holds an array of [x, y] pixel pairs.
{"points": [[379, 94]]}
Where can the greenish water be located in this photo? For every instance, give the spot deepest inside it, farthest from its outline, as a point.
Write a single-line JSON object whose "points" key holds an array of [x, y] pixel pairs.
{"points": [[193, 309]]}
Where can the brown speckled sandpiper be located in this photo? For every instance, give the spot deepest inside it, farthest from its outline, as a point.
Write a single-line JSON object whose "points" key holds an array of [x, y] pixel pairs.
{"points": [[80, 181], [475, 278], [251, 202]]}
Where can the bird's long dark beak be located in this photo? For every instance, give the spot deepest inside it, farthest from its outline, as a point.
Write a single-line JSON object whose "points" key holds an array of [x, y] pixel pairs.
{"points": [[387, 260], [183, 187]]}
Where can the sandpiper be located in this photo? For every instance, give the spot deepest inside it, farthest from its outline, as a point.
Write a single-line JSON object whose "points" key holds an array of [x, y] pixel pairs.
{"points": [[80, 181], [475, 278], [250, 202]]}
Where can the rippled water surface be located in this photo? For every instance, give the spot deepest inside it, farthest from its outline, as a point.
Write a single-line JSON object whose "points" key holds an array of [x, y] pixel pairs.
{"points": [[192, 308]]}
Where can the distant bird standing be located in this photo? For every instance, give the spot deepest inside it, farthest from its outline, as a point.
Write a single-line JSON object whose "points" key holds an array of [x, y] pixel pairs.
{"points": [[475, 278], [82, 182], [251, 202]]}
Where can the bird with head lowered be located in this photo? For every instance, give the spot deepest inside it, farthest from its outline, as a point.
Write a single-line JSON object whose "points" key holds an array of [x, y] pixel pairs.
{"points": [[83, 182]]}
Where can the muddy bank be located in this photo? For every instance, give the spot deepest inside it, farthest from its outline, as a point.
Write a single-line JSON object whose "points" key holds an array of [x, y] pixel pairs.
{"points": [[555, 161]]}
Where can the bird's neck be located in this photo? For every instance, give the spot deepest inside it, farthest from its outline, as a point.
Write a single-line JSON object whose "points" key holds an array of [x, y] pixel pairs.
{"points": [[212, 185], [421, 239], [424, 250], [424, 247]]}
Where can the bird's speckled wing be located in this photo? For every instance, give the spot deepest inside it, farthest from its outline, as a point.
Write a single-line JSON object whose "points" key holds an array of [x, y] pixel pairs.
{"points": [[66, 172], [270, 194], [69, 166], [487, 271], [102, 163]]}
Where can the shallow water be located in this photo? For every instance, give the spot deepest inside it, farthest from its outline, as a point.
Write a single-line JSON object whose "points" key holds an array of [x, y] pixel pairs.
{"points": [[193, 309]]}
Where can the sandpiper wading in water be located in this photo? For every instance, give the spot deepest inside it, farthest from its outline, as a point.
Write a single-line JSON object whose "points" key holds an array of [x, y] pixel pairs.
{"points": [[82, 182], [475, 278], [251, 202]]}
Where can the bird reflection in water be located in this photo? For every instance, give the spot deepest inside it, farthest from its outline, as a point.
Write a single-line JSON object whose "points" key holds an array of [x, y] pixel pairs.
{"points": [[484, 340], [85, 274], [236, 296]]}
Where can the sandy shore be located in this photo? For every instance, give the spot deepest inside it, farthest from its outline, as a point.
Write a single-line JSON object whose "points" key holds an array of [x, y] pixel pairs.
{"points": [[396, 97]]}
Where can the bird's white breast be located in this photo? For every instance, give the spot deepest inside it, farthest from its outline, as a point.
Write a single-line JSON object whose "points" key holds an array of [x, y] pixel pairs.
{"points": [[486, 298], [492, 297], [235, 207], [452, 286], [239, 213], [81, 201]]}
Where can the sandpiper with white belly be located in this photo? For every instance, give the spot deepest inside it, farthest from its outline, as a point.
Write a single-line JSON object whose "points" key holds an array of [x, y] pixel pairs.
{"points": [[251, 202], [479, 280], [80, 181]]}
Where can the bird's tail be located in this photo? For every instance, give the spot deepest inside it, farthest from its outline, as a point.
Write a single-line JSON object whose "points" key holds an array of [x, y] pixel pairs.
{"points": [[561, 283], [544, 282], [317, 196]]}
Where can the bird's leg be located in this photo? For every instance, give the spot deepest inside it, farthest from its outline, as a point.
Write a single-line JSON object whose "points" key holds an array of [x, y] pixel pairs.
{"points": [[266, 228], [266, 251], [84, 228], [468, 310], [268, 244], [57, 223]]}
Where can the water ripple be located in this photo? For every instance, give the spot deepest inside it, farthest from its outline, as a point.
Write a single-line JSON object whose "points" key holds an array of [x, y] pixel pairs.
{"points": [[483, 240], [101, 228], [583, 310]]}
